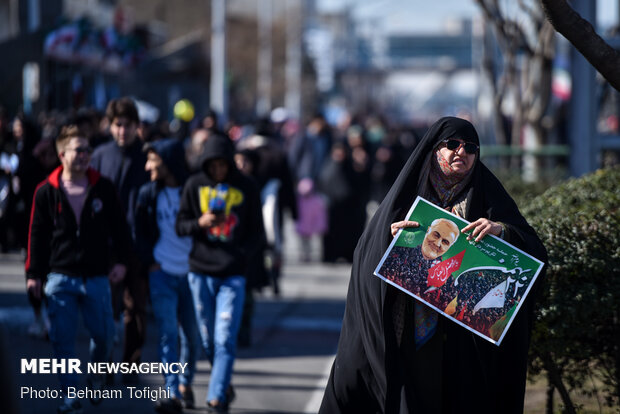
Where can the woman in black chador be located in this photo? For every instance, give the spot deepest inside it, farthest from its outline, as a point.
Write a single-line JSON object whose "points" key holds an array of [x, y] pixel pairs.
{"points": [[396, 355]]}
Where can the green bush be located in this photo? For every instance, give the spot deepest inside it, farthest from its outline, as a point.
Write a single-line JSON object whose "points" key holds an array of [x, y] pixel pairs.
{"points": [[523, 192], [576, 338]]}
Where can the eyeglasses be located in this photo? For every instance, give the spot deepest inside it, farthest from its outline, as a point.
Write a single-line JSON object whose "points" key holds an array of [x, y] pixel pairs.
{"points": [[454, 145], [82, 150]]}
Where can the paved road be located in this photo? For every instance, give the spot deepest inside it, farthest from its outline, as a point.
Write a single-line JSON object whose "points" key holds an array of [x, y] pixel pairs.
{"points": [[284, 371]]}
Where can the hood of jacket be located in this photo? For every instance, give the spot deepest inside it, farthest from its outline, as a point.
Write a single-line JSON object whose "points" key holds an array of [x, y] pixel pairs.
{"points": [[172, 155], [218, 146]]}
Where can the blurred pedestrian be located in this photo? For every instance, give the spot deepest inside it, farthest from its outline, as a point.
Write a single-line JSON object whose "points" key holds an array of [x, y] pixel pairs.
{"points": [[220, 209], [77, 230], [194, 147], [344, 182], [210, 123], [310, 150], [257, 275], [276, 182], [166, 255], [307, 156], [9, 162], [122, 161], [47, 160], [88, 121], [26, 177]]}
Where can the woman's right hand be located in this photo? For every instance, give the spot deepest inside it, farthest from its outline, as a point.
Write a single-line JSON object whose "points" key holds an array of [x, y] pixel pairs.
{"points": [[394, 227]]}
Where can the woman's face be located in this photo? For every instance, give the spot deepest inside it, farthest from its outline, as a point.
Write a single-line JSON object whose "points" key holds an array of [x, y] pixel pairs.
{"points": [[18, 130], [460, 161]]}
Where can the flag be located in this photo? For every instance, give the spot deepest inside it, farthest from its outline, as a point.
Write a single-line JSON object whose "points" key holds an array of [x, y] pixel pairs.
{"points": [[438, 274], [495, 298]]}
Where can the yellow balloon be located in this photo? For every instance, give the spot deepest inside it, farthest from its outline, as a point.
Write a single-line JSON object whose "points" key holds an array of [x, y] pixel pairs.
{"points": [[184, 110]]}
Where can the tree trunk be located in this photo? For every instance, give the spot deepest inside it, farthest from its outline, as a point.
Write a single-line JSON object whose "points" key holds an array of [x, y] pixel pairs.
{"points": [[550, 392], [556, 379], [531, 143], [581, 34], [497, 91], [525, 86], [512, 79], [536, 97], [617, 349], [517, 129]]}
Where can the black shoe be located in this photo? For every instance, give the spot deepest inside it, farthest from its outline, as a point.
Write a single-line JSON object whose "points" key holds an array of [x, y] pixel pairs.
{"points": [[169, 406], [187, 397], [219, 408], [230, 394], [96, 383], [223, 407]]}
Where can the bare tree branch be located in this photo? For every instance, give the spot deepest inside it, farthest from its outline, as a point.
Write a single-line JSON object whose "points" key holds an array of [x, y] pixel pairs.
{"points": [[538, 92], [508, 31], [528, 38], [533, 12], [578, 31], [519, 36]]}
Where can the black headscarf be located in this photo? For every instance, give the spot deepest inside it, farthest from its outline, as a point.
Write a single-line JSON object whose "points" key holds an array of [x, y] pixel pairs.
{"points": [[373, 372]]}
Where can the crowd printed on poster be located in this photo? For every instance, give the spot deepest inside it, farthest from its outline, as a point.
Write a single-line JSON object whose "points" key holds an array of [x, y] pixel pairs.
{"points": [[478, 285]]}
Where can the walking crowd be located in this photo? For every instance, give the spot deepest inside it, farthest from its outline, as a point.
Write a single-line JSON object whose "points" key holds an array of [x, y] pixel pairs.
{"points": [[115, 215]]}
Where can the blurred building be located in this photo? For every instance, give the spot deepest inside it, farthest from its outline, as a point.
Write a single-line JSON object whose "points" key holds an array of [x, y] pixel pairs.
{"points": [[366, 67], [23, 27], [65, 54], [448, 51]]}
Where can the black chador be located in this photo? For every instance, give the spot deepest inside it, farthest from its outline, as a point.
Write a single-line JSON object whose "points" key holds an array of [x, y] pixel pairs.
{"points": [[379, 371]]}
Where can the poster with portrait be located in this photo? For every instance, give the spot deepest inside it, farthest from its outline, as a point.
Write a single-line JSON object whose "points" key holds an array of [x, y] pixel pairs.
{"points": [[478, 285]]}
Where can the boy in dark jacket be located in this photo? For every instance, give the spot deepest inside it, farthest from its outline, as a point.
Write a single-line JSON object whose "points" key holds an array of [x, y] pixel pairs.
{"points": [[166, 256], [221, 210], [75, 215], [122, 161]]}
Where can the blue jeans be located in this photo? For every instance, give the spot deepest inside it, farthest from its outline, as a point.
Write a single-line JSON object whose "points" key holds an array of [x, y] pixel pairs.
{"points": [[66, 296], [173, 306], [219, 306]]}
